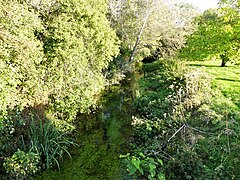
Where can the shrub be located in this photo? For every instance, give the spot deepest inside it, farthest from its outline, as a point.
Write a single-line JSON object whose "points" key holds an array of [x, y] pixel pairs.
{"points": [[12, 131], [144, 166], [21, 165], [191, 93]]}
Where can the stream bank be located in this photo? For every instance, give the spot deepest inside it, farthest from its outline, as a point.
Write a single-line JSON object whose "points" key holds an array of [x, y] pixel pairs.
{"points": [[101, 137]]}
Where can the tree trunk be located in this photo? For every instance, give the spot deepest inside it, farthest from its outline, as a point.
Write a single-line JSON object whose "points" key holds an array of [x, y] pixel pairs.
{"points": [[223, 63], [224, 58], [139, 36]]}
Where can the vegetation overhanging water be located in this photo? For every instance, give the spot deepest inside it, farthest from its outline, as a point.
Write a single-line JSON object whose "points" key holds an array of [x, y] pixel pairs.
{"points": [[101, 137]]}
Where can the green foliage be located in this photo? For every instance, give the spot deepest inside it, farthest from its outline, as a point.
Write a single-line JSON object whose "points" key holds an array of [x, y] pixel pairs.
{"points": [[101, 136], [146, 166], [191, 94], [52, 55], [217, 35], [196, 132], [117, 70], [209, 151], [12, 131], [154, 23], [62, 45], [20, 54], [169, 83], [225, 79], [78, 45], [213, 148], [49, 143], [21, 165]]}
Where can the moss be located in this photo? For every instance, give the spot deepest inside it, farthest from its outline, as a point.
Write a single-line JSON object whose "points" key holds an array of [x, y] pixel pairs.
{"points": [[93, 159]]}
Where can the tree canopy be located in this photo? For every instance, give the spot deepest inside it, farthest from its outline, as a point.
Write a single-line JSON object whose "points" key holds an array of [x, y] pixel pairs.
{"points": [[53, 53], [151, 25], [217, 35]]}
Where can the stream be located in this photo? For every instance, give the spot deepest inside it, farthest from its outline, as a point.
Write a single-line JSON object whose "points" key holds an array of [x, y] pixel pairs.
{"points": [[101, 137]]}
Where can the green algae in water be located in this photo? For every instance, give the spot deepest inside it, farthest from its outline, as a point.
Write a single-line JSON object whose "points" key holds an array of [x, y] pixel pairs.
{"points": [[102, 137]]}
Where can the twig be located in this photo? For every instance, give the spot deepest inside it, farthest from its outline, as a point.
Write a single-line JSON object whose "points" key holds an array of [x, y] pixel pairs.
{"points": [[160, 153], [203, 132], [176, 132]]}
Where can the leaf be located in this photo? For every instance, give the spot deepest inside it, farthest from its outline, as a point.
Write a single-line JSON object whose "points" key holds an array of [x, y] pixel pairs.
{"points": [[142, 155], [160, 161], [124, 156], [161, 176], [150, 177], [136, 162], [141, 170], [152, 166], [131, 169]]}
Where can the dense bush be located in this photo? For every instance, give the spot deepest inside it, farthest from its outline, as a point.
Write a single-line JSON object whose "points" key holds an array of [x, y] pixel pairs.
{"points": [[13, 132], [182, 121], [62, 45], [21, 165], [52, 57]]}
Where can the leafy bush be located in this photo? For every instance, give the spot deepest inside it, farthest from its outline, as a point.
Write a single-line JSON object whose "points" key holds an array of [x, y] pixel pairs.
{"points": [[62, 45], [194, 91], [12, 132], [187, 164], [78, 45], [143, 166], [21, 165], [52, 55]]}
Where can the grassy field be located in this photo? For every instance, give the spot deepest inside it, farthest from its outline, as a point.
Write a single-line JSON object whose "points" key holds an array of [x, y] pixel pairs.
{"points": [[227, 79]]}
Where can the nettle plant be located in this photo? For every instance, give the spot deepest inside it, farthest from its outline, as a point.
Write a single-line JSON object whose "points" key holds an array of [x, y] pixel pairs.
{"points": [[144, 166]]}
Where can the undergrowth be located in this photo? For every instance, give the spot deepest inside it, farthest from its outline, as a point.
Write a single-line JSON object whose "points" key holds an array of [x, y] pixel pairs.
{"points": [[183, 117]]}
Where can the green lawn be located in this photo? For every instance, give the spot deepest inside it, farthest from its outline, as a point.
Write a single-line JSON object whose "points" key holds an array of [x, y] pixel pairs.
{"points": [[227, 79]]}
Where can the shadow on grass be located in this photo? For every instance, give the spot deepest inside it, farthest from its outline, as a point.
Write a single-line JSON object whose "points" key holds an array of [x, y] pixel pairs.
{"points": [[225, 79], [200, 65]]}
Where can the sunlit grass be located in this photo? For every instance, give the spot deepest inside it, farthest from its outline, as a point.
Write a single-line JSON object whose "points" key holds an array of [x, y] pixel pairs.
{"points": [[227, 79]]}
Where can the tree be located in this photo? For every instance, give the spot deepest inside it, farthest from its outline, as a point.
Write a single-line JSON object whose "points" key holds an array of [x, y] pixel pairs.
{"points": [[217, 35], [130, 19], [53, 52], [147, 27], [173, 35]]}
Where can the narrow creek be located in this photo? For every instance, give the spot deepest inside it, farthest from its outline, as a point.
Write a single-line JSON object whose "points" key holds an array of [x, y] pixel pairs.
{"points": [[101, 137]]}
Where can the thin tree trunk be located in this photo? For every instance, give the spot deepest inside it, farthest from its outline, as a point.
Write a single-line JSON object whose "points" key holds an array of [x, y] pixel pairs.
{"points": [[139, 36]]}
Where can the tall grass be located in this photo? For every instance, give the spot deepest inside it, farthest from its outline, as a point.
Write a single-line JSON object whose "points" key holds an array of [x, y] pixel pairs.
{"points": [[49, 143]]}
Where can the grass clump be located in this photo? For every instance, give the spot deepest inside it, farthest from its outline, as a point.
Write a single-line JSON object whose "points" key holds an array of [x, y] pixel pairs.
{"points": [[49, 143]]}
